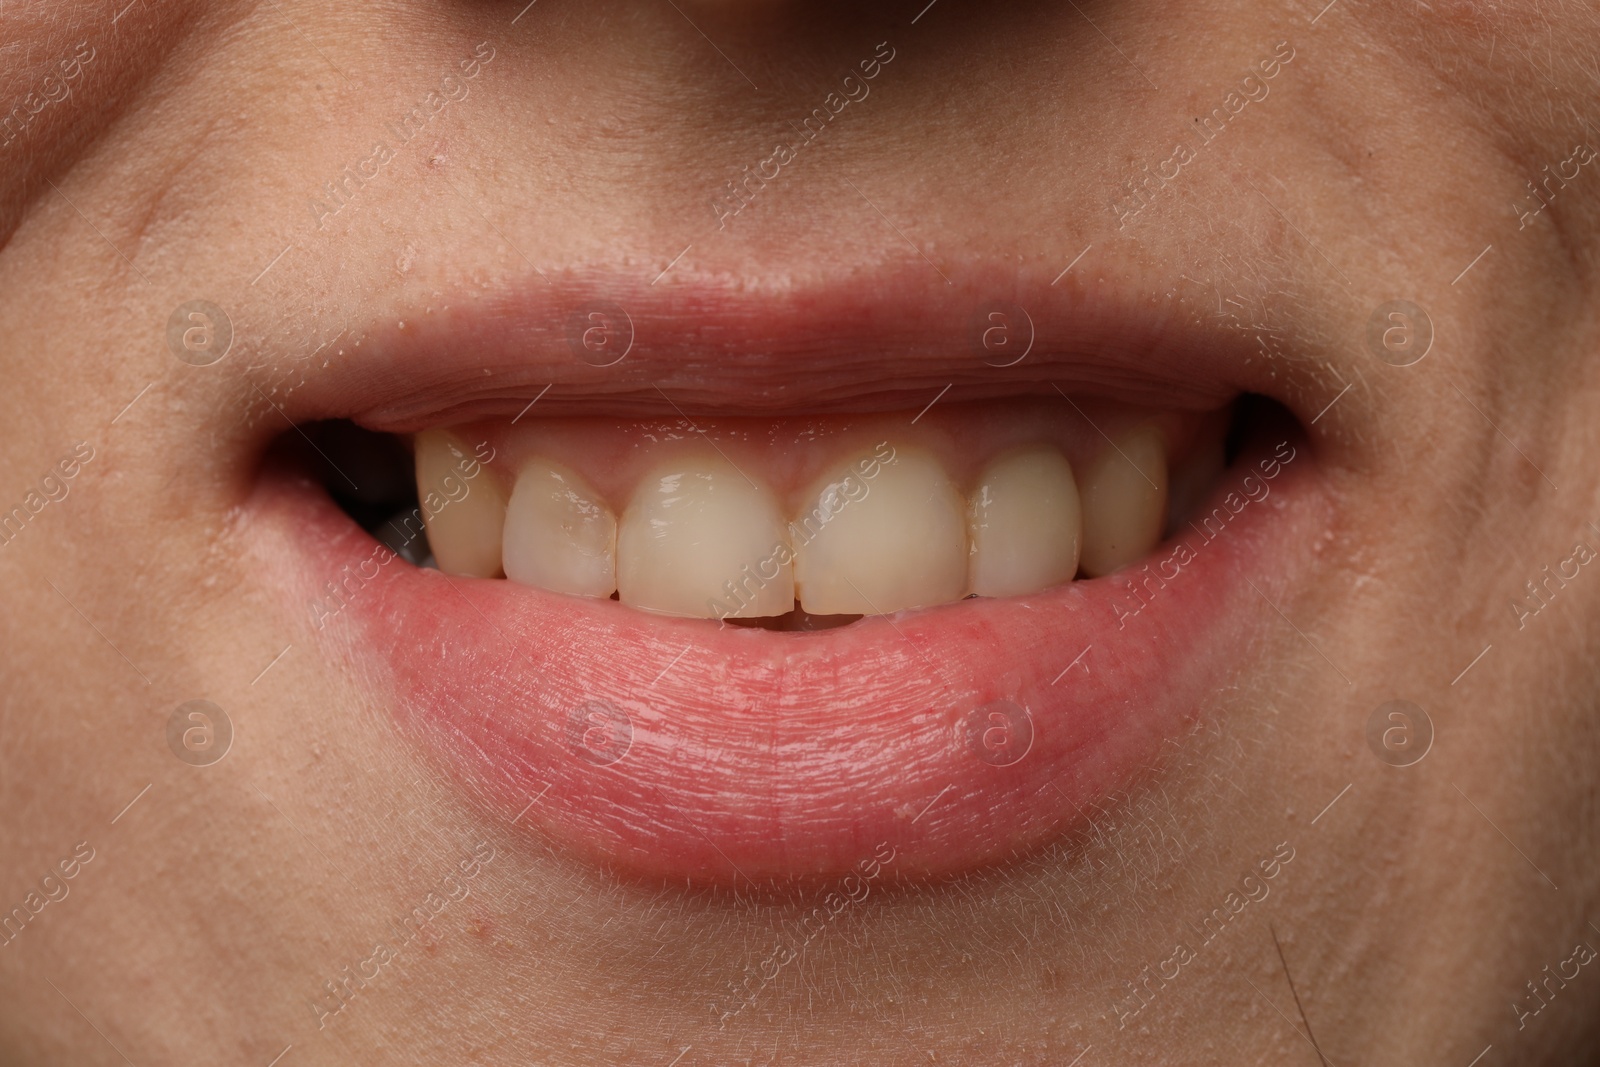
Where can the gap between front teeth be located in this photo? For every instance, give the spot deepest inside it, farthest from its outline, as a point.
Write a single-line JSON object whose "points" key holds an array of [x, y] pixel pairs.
{"points": [[883, 530]]}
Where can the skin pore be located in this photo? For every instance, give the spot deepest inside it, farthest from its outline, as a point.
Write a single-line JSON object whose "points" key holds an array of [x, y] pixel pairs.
{"points": [[330, 176]]}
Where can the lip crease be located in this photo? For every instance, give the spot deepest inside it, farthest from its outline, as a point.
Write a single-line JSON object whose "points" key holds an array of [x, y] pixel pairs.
{"points": [[687, 751]]}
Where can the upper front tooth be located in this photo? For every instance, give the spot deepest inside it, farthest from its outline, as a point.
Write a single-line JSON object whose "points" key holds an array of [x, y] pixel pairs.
{"points": [[463, 506], [882, 534], [1124, 498], [1025, 524], [702, 540], [558, 534]]}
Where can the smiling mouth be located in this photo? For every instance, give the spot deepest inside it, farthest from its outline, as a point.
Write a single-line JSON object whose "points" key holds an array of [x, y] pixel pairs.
{"points": [[769, 630]]}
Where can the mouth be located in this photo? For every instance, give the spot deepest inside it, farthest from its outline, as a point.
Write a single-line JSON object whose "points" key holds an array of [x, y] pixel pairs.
{"points": [[710, 586]]}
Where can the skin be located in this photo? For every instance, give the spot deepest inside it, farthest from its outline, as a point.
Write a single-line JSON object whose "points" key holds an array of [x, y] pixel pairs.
{"points": [[1387, 156]]}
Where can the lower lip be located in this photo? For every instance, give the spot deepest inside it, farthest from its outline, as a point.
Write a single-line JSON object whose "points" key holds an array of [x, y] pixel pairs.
{"points": [[678, 751]]}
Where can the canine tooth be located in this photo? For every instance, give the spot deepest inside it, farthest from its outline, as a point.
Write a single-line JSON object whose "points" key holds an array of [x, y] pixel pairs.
{"points": [[559, 535], [699, 539], [463, 506], [1025, 524], [1124, 499], [882, 535]]}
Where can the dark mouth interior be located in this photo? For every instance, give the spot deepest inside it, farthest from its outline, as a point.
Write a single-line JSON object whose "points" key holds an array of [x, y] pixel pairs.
{"points": [[370, 477]]}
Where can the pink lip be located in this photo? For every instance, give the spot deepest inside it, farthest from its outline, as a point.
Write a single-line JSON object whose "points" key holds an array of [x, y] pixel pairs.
{"points": [[684, 751]]}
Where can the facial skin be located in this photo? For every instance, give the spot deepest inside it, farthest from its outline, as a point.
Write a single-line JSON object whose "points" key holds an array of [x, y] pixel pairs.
{"points": [[1389, 159]]}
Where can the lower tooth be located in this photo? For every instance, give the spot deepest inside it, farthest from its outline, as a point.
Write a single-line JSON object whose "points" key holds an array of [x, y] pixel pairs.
{"points": [[558, 535], [463, 506], [882, 534], [1124, 500], [1025, 524], [700, 540]]}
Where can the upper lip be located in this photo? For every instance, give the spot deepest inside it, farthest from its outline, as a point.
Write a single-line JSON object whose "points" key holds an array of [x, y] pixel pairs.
{"points": [[890, 339]]}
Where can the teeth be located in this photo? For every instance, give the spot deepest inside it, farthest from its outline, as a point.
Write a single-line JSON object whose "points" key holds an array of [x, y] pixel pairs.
{"points": [[1025, 524], [558, 534], [1124, 497], [700, 540], [463, 506], [882, 535]]}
